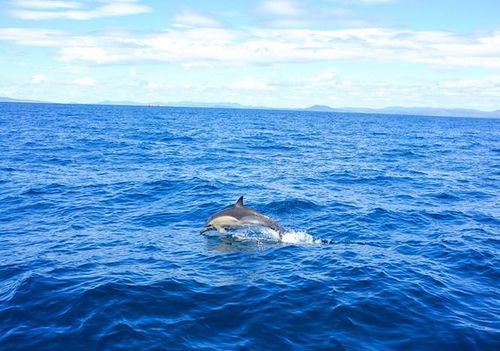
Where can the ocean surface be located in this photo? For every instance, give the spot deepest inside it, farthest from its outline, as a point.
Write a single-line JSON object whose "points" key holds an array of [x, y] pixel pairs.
{"points": [[393, 223]]}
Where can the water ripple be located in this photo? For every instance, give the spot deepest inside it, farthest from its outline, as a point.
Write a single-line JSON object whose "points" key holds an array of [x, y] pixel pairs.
{"points": [[392, 238]]}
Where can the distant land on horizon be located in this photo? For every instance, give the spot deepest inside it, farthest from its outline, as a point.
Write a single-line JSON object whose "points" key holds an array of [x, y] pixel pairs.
{"points": [[7, 99], [400, 110], [392, 110]]}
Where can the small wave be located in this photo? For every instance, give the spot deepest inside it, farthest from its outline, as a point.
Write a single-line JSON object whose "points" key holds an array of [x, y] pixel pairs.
{"points": [[292, 205], [448, 196]]}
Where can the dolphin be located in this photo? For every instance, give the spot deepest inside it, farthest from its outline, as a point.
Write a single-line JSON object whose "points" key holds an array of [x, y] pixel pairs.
{"points": [[239, 216]]}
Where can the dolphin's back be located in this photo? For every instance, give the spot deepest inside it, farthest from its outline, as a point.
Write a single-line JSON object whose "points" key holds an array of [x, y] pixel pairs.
{"points": [[261, 220]]}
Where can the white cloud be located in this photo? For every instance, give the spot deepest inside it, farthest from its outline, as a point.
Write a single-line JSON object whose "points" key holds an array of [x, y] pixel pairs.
{"points": [[47, 4], [85, 81], [329, 88], [195, 19], [284, 8], [365, 2], [199, 46], [375, 2], [45, 10], [288, 22], [488, 86], [153, 85], [39, 37], [295, 14], [38, 78], [251, 83], [97, 55], [326, 79], [132, 72], [327, 76]]}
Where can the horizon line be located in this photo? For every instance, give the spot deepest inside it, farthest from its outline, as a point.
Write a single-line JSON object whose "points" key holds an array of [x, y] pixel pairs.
{"points": [[453, 112]]}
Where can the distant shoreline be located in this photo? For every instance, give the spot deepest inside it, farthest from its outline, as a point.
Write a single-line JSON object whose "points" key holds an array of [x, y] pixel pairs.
{"points": [[388, 111]]}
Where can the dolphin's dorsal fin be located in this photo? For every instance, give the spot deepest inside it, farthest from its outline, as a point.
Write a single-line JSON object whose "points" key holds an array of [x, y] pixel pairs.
{"points": [[239, 203]]}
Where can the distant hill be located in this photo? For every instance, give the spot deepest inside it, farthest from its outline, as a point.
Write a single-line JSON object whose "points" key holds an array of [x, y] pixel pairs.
{"points": [[442, 112], [7, 99], [393, 110], [321, 108], [416, 111]]}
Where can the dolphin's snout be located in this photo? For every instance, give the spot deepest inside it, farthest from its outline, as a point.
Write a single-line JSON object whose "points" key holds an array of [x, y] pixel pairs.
{"points": [[205, 229]]}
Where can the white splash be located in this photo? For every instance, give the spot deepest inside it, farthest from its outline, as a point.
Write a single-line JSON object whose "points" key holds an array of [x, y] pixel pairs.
{"points": [[299, 238], [269, 235]]}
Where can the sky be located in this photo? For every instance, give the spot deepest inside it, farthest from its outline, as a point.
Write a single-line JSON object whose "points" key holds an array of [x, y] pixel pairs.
{"points": [[275, 53]]}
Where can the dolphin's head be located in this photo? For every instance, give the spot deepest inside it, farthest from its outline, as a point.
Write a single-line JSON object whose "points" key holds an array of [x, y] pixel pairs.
{"points": [[209, 225], [218, 223], [224, 219]]}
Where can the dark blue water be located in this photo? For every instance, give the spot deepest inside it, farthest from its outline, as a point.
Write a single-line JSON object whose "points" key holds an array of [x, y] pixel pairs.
{"points": [[393, 244]]}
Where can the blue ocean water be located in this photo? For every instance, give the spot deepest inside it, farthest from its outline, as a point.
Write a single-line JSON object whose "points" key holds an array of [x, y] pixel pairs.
{"points": [[393, 223]]}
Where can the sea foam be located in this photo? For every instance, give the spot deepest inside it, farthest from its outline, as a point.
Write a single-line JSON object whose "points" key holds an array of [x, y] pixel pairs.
{"points": [[263, 234]]}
